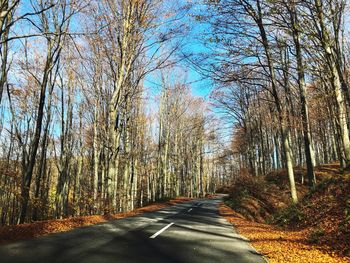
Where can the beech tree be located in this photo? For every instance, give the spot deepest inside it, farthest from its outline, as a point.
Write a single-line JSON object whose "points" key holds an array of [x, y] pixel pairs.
{"points": [[80, 135], [257, 61], [272, 62], [60, 22]]}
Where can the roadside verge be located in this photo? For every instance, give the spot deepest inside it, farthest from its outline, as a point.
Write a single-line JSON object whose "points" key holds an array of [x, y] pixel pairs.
{"points": [[279, 245]]}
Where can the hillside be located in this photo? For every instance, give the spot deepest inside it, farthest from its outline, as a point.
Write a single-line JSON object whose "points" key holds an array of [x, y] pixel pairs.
{"points": [[321, 219]]}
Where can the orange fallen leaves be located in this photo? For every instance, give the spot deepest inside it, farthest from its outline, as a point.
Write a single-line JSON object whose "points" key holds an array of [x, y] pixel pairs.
{"points": [[280, 245], [41, 228]]}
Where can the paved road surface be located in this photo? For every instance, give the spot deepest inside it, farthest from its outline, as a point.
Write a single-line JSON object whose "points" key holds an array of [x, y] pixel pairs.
{"points": [[188, 232]]}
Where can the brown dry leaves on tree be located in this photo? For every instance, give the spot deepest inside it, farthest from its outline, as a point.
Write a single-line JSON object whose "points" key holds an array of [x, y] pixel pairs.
{"points": [[42, 228], [280, 245]]}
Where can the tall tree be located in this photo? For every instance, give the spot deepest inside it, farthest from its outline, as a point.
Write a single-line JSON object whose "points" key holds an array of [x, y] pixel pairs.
{"points": [[55, 32]]}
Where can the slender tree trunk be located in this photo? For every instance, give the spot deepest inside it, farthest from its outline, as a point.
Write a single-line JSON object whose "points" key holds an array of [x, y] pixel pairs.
{"points": [[308, 145], [28, 172], [282, 122], [336, 83]]}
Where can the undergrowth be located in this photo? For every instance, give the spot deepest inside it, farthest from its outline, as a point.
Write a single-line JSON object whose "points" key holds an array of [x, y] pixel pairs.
{"points": [[288, 216]]}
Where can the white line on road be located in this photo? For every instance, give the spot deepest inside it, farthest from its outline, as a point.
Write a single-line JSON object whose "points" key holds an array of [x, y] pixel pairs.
{"points": [[189, 210], [162, 230]]}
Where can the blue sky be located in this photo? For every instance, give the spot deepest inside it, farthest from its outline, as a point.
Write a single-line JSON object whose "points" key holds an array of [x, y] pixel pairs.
{"points": [[192, 44]]}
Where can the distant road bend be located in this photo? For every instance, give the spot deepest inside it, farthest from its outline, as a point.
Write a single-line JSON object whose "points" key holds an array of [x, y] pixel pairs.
{"points": [[188, 232]]}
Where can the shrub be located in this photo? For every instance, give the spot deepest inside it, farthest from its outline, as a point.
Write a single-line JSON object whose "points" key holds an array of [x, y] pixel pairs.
{"points": [[315, 235], [290, 215]]}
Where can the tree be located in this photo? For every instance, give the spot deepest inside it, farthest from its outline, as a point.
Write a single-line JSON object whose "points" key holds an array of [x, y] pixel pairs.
{"points": [[252, 14], [61, 17]]}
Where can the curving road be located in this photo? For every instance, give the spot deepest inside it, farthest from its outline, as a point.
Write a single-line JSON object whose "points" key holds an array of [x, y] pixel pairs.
{"points": [[188, 232]]}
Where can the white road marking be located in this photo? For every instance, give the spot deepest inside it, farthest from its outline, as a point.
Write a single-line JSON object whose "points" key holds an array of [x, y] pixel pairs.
{"points": [[189, 210], [161, 231]]}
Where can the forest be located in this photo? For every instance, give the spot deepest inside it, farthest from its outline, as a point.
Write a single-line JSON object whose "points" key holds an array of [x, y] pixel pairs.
{"points": [[81, 132], [98, 115], [281, 76]]}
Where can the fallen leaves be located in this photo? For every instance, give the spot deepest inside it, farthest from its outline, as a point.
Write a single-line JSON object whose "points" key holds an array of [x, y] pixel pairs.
{"points": [[281, 245], [41, 228]]}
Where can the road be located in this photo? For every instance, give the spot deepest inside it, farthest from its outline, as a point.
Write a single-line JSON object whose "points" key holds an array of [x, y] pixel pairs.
{"points": [[188, 232]]}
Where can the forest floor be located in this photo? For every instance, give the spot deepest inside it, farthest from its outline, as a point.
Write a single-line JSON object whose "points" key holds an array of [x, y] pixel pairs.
{"points": [[10, 234], [317, 229]]}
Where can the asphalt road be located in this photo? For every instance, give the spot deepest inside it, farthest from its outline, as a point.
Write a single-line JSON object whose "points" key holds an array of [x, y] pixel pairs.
{"points": [[188, 232]]}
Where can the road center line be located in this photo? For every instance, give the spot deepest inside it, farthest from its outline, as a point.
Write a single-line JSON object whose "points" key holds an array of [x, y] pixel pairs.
{"points": [[161, 231], [189, 210]]}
